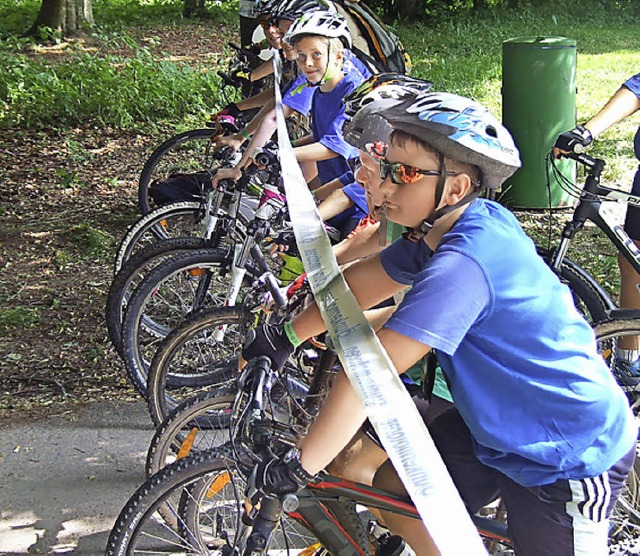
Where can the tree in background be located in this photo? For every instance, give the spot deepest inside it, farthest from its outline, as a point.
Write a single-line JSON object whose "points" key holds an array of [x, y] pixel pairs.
{"points": [[65, 16]]}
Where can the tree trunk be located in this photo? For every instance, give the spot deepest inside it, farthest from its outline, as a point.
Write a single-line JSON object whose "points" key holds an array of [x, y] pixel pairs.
{"points": [[66, 16], [407, 9]]}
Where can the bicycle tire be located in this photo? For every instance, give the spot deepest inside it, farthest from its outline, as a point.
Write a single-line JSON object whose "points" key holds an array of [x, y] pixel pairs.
{"points": [[162, 300], [194, 160], [624, 537], [151, 227], [343, 511], [590, 299], [189, 348], [207, 412], [131, 274], [164, 488]]}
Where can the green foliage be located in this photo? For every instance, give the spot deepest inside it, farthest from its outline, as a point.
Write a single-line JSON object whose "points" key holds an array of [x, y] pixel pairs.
{"points": [[111, 90]]}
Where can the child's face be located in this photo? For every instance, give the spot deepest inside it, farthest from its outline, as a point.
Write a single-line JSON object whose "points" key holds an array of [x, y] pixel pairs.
{"points": [[272, 32], [313, 57], [409, 204], [368, 175]]}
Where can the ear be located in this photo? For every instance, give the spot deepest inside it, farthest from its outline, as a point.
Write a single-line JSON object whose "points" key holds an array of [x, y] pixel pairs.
{"points": [[339, 55], [456, 188]]}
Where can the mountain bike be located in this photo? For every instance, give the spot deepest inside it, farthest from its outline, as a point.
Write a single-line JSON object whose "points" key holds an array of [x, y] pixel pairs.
{"points": [[243, 419], [197, 216], [591, 196], [188, 283], [194, 150]]}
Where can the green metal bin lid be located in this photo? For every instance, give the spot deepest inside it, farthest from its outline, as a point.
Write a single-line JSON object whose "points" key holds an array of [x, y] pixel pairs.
{"points": [[540, 42]]}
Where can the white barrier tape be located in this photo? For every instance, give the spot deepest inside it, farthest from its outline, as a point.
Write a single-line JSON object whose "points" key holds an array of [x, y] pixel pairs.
{"points": [[371, 372]]}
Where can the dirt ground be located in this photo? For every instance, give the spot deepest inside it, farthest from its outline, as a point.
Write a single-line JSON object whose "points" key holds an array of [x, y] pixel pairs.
{"points": [[66, 198]]}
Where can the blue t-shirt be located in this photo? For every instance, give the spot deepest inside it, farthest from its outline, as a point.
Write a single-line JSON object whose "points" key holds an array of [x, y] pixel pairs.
{"points": [[327, 118], [358, 195], [633, 84], [523, 365], [298, 94]]}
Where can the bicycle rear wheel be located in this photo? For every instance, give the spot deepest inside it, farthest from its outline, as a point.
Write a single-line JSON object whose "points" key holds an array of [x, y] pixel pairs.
{"points": [[184, 153]]}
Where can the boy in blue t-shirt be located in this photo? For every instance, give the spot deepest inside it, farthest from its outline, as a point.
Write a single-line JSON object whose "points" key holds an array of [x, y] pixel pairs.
{"points": [[539, 420]]}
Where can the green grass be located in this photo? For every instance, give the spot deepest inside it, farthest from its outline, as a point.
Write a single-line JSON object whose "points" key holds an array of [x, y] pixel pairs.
{"points": [[20, 317]]}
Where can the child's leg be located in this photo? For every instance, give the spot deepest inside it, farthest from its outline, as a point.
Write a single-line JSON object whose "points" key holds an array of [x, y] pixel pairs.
{"points": [[566, 518], [411, 530], [475, 482], [359, 460]]}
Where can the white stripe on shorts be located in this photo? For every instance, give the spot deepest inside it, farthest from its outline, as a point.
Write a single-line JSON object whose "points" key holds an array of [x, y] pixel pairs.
{"points": [[590, 498]]}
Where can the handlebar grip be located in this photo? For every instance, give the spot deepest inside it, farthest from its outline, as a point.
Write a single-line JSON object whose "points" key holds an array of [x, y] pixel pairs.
{"points": [[274, 290]]}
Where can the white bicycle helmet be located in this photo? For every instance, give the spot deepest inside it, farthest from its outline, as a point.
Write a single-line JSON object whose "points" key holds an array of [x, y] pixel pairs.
{"points": [[323, 24], [294, 9], [460, 129], [383, 86]]}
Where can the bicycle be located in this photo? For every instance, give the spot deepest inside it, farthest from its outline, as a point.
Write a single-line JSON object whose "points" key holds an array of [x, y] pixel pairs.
{"points": [[589, 208], [194, 150], [185, 218], [252, 427]]}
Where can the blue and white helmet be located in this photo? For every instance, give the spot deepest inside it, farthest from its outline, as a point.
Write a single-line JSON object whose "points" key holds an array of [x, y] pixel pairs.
{"points": [[323, 24], [460, 129]]}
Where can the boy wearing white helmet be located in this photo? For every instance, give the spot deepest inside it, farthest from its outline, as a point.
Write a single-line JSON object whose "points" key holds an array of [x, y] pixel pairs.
{"points": [[539, 420]]}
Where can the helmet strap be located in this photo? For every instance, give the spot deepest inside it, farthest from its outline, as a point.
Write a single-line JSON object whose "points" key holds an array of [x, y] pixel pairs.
{"points": [[416, 234]]}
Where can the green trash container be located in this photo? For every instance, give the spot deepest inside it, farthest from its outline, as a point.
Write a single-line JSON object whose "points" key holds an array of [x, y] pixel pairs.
{"points": [[538, 103]]}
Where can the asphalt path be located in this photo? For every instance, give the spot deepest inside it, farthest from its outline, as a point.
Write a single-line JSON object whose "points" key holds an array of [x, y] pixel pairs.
{"points": [[64, 480]]}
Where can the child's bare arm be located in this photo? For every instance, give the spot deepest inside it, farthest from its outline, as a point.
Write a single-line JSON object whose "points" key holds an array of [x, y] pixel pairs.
{"points": [[314, 151]]}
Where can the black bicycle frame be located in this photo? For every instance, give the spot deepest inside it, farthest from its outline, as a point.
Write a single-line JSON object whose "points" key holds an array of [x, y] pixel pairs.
{"points": [[589, 207]]}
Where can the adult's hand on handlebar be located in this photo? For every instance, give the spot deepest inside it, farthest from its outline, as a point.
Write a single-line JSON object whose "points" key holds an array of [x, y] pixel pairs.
{"points": [[573, 140]]}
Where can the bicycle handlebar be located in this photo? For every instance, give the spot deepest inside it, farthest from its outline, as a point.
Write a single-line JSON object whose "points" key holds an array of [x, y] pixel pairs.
{"points": [[583, 159]]}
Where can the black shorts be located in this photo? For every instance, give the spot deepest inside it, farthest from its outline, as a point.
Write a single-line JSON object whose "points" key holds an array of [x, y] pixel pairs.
{"points": [[565, 518], [632, 220]]}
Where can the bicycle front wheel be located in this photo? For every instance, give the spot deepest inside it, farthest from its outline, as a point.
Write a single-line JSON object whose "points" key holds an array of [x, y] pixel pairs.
{"points": [[131, 275], [625, 519], [193, 350], [589, 298], [182, 285], [206, 492]]}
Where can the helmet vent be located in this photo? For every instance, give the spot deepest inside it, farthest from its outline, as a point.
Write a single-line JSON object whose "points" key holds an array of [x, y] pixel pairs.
{"points": [[491, 131]]}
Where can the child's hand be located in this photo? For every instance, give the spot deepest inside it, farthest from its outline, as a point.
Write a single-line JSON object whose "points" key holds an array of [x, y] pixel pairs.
{"points": [[234, 141], [226, 174]]}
